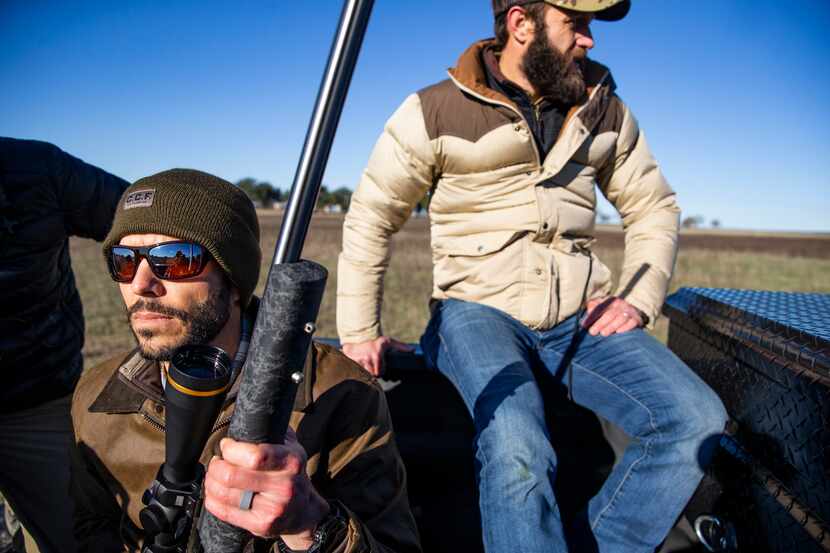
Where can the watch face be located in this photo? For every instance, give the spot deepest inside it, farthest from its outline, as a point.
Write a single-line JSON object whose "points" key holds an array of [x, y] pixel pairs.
{"points": [[331, 530]]}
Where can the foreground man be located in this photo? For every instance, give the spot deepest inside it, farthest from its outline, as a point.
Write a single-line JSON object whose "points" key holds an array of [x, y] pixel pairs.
{"points": [[511, 148], [184, 249]]}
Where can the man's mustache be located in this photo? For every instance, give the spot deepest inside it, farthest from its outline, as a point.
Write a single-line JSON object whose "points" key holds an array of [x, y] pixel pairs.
{"points": [[156, 307]]}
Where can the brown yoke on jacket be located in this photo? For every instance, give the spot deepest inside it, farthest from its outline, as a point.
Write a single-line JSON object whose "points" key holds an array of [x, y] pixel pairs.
{"points": [[511, 227], [340, 417]]}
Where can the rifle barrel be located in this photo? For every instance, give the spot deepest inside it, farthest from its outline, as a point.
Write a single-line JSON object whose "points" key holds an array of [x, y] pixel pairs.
{"points": [[321, 130]]}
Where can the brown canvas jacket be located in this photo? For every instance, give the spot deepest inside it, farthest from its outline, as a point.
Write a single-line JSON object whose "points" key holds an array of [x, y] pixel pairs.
{"points": [[340, 417], [509, 229]]}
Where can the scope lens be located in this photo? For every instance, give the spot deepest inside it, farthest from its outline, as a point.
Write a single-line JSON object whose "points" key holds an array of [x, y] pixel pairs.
{"points": [[200, 368], [203, 362]]}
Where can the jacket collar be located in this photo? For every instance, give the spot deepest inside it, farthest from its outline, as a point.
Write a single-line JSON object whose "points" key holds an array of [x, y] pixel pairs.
{"points": [[469, 74], [137, 379]]}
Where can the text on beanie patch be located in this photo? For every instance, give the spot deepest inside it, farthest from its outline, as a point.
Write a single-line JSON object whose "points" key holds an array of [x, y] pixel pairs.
{"points": [[139, 198]]}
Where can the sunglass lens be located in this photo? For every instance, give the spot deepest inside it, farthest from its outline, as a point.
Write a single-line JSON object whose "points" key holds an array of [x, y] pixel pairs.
{"points": [[177, 261], [123, 264]]}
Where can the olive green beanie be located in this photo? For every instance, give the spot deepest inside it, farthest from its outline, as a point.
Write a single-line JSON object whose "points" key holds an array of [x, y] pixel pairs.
{"points": [[195, 206]]}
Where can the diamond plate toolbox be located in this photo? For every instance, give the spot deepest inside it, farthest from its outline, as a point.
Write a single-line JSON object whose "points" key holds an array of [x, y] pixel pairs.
{"points": [[767, 354]]}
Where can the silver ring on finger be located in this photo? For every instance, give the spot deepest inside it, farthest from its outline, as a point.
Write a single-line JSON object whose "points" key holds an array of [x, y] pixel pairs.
{"points": [[246, 500]]}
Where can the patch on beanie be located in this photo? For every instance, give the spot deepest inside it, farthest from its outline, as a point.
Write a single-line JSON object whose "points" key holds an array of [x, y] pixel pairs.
{"points": [[139, 198]]}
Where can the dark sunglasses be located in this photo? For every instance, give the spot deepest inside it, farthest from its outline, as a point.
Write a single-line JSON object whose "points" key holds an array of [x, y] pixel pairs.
{"points": [[168, 260]]}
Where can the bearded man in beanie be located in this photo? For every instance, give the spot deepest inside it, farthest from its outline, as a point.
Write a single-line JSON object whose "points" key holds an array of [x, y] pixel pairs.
{"points": [[184, 250], [511, 149]]}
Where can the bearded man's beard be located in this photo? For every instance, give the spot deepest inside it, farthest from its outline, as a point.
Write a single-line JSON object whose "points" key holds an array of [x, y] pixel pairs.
{"points": [[202, 323], [551, 73]]}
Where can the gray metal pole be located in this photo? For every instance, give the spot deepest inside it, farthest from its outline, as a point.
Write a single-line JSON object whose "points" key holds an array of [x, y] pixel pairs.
{"points": [[322, 128]]}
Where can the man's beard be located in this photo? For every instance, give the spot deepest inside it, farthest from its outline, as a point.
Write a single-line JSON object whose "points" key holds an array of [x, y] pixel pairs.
{"points": [[202, 323], [551, 73]]}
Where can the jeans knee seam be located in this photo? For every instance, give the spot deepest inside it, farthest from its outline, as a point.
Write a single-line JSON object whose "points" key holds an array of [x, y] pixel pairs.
{"points": [[625, 393], [647, 444], [618, 491]]}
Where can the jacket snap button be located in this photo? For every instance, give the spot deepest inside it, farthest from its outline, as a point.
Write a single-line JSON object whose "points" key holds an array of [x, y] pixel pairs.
{"points": [[159, 409], [518, 128], [545, 226], [538, 271], [481, 248]]}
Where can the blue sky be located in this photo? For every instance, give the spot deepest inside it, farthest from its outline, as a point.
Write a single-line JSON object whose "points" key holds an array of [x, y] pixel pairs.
{"points": [[734, 95]]}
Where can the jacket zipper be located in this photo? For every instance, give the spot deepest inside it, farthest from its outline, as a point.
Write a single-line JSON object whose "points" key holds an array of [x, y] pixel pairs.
{"points": [[221, 423], [153, 422]]}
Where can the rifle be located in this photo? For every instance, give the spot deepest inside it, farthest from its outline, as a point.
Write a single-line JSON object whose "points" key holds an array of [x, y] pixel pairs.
{"points": [[294, 289]]}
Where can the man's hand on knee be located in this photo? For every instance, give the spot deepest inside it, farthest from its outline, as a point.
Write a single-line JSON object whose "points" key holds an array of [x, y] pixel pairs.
{"points": [[611, 315], [370, 354]]}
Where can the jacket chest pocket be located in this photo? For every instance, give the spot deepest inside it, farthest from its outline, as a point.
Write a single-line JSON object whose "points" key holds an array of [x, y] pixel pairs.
{"points": [[480, 259]]}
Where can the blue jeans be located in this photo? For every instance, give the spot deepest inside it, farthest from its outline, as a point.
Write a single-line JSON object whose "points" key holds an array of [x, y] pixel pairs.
{"points": [[630, 379]]}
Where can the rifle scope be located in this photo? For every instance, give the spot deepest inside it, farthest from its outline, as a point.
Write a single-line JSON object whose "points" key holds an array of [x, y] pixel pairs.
{"points": [[197, 381]]}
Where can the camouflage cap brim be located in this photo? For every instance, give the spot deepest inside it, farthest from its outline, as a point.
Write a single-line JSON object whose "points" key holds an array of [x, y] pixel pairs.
{"points": [[603, 10]]}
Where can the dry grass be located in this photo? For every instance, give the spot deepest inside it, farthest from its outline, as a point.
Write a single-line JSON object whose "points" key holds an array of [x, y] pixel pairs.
{"points": [[409, 281]]}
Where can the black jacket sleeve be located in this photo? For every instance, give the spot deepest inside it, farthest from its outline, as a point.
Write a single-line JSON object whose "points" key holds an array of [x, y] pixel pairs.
{"points": [[87, 195]]}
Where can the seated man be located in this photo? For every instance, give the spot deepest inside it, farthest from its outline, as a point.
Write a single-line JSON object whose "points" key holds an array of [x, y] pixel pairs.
{"points": [[512, 149], [184, 249]]}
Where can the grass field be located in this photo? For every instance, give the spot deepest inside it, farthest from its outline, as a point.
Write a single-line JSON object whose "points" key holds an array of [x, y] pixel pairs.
{"points": [[761, 261]]}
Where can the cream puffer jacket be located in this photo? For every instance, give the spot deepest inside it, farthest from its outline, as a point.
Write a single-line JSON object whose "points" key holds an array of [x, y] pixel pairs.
{"points": [[508, 229]]}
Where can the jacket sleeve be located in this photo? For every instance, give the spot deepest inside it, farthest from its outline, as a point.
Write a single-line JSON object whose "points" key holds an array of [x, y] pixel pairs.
{"points": [[367, 476], [399, 173], [633, 183], [87, 196]]}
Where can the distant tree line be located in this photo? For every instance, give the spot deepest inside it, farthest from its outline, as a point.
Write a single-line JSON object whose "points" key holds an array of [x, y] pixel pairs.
{"points": [[264, 194], [697, 221], [690, 221], [339, 197]]}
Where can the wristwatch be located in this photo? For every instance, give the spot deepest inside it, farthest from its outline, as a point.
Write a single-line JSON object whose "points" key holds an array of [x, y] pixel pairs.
{"points": [[329, 531]]}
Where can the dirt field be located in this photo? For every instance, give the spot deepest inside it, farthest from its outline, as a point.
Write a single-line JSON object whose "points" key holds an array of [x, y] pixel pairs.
{"points": [[720, 259]]}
